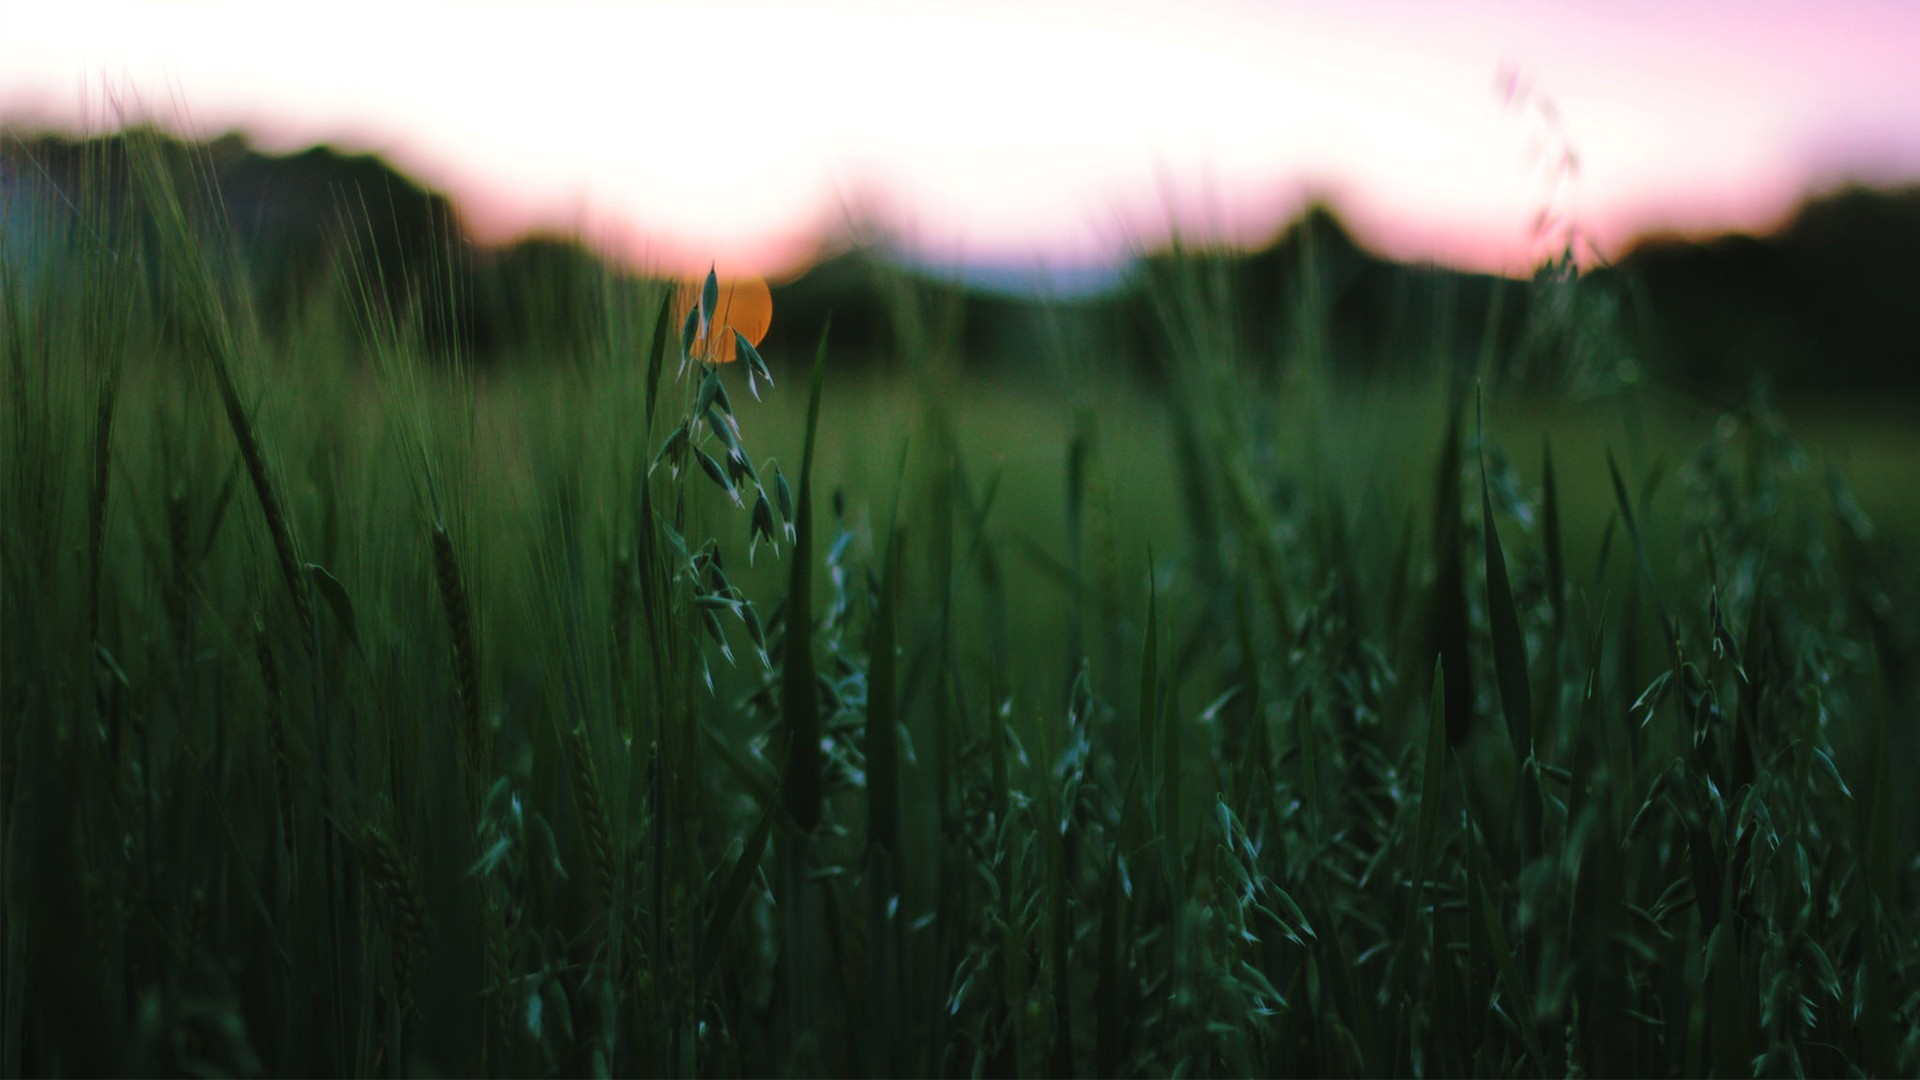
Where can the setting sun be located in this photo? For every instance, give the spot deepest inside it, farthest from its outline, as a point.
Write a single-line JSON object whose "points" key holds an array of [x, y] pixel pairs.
{"points": [[745, 305]]}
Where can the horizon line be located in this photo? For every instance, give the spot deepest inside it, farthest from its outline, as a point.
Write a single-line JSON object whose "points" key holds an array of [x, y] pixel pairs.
{"points": [[1070, 275]]}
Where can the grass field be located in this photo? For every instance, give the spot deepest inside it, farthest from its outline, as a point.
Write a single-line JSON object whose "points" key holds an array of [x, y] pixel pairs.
{"points": [[366, 715]]}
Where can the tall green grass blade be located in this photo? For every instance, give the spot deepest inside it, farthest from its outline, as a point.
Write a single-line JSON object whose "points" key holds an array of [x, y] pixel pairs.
{"points": [[1432, 795], [751, 777], [1011, 958], [1078, 452], [1509, 641], [656, 362], [1472, 992], [1625, 503], [1448, 628], [882, 737], [800, 694], [733, 892], [1173, 773], [1057, 931], [1247, 727], [1728, 1018], [1305, 746], [1880, 831], [1149, 707], [335, 594], [23, 878], [1108, 1024], [1550, 538], [1417, 936], [1510, 978]]}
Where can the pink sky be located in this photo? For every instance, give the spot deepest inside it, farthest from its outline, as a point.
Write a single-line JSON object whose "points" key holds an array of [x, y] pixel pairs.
{"points": [[1052, 130]]}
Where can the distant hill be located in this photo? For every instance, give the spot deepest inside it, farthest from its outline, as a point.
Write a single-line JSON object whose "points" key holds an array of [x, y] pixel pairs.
{"points": [[287, 216], [1829, 304]]}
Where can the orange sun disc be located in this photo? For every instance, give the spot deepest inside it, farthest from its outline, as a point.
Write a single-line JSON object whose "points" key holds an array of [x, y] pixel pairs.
{"points": [[746, 305]]}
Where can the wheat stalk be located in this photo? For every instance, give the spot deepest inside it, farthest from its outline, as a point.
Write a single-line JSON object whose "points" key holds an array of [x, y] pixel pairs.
{"points": [[499, 981], [179, 584], [593, 811], [97, 506], [465, 647], [276, 732], [392, 872], [278, 528]]}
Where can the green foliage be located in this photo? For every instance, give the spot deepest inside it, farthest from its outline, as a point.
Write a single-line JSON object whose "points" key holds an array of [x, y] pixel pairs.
{"points": [[437, 755]]}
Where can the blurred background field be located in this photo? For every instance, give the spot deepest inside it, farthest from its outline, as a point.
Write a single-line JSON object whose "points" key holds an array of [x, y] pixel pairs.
{"points": [[1274, 660]]}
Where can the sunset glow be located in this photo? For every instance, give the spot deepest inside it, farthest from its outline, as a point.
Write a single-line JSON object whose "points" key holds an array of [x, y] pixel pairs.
{"points": [[745, 306], [677, 134]]}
